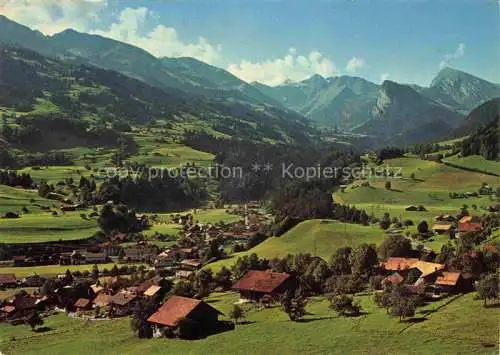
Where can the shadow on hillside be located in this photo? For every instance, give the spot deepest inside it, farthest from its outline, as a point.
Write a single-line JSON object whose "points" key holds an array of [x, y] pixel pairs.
{"points": [[360, 314], [220, 327], [309, 320], [416, 320], [42, 330], [246, 322], [418, 180], [488, 345], [396, 190], [494, 305]]}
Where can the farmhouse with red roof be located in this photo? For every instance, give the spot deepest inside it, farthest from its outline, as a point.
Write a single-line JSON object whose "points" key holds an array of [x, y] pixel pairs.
{"points": [[255, 284], [179, 308]]}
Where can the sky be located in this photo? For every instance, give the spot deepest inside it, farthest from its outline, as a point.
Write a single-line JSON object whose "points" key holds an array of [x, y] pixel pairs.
{"points": [[273, 41]]}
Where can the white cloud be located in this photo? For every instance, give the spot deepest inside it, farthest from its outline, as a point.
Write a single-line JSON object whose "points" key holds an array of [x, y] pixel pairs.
{"points": [[291, 67], [450, 57], [384, 77], [161, 41], [354, 64], [52, 16]]}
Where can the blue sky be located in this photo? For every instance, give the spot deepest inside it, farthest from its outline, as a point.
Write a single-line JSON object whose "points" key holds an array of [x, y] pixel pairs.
{"points": [[273, 41]]}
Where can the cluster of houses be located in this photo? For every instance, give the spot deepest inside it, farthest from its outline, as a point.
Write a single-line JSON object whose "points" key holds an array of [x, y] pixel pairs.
{"points": [[10, 281], [69, 297], [253, 286], [422, 276], [449, 225], [185, 257]]}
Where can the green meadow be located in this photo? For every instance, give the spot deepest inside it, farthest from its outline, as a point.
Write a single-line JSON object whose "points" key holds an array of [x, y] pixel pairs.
{"points": [[14, 199], [318, 237], [53, 174], [450, 326], [475, 162], [52, 270], [167, 154], [43, 227], [422, 182]]}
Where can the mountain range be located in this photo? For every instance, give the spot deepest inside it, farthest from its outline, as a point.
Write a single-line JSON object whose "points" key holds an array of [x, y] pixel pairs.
{"points": [[388, 113]]}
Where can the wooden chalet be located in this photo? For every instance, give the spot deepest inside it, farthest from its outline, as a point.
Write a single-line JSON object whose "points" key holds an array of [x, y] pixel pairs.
{"points": [[122, 303], [255, 284], [102, 300], [186, 253], [152, 291], [469, 219], [445, 218], [33, 281], [157, 280], [452, 282], [442, 228], [96, 289], [7, 312], [398, 264], [8, 280], [167, 258], [427, 271], [83, 304], [469, 227], [394, 279], [23, 305], [111, 248], [94, 258], [178, 308], [184, 274], [191, 264], [19, 260]]}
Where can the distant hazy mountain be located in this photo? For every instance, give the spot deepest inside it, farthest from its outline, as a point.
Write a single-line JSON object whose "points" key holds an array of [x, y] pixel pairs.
{"points": [[406, 113], [459, 90], [343, 101], [197, 74], [403, 116], [295, 95]]}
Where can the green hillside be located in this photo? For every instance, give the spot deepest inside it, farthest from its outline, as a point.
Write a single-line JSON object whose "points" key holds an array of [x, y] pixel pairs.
{"points": [[63, 106], [318, 237], [14, 199], [44, 227], [475, 162], [452, 326]]}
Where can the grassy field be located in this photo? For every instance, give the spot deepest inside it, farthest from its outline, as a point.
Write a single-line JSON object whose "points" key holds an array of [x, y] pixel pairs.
{"points": [[14, 199], [173, 229], [207, 215], [53, 174], [456, 326], [476, 162], [45, 227], [318, 237], [51, 270], [167, 154], [430, 187]]}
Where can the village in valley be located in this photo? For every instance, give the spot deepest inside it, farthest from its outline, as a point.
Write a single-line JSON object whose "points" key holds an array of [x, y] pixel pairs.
{"points": [[162, 281], [237, 178]]}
